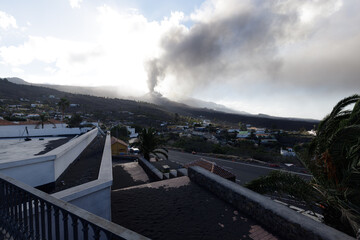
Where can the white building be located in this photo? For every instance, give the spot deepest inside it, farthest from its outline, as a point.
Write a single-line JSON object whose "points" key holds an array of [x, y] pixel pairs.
{"points": [[287, 152], [133, 134]]}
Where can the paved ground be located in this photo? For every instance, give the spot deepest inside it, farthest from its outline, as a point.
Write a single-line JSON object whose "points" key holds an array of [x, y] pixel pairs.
{"points": [[244, 172], [179, 209]]}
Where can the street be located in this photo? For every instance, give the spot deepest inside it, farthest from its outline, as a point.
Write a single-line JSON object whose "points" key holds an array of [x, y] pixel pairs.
{"points": [[244, 172]]}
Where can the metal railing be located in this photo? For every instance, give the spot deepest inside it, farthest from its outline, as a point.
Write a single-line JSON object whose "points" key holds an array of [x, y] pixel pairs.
{"points": [[28, 213]]}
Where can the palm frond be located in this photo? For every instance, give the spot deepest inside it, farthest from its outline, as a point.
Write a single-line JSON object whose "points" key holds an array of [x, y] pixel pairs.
{"points": [[284, 183]]}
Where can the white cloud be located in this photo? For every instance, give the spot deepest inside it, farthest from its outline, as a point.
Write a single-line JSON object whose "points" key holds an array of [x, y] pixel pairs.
{"points": [[125, 40], [17, 70], [75, 3], [311, 44], [7, 21]]}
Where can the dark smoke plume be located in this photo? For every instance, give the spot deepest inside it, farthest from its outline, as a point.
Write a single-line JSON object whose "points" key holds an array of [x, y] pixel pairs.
{"points": [[225, 46]]}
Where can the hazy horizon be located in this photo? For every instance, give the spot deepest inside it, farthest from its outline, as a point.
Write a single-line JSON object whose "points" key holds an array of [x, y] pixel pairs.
{"points": [[283, 58]]}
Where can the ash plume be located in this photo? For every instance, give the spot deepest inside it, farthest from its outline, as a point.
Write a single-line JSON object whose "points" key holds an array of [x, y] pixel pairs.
{"points": [[241, 41], [155, 73], [226, 44]]}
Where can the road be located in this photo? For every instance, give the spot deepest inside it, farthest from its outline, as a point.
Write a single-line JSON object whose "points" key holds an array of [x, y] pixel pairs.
{"points": [[244, 172]]}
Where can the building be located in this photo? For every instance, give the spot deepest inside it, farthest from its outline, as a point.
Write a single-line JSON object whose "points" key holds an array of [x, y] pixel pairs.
{"points": [[243, 134], [287, 152], [118, 147]]}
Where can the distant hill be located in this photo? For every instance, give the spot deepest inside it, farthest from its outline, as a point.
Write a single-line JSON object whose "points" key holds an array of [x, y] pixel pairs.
{"points": [[162, 109], [197, 103], [18, 81], [111, 91]]}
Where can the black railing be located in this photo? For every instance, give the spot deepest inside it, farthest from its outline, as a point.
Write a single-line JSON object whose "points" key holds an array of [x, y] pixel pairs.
{"points": [[27, 213]]}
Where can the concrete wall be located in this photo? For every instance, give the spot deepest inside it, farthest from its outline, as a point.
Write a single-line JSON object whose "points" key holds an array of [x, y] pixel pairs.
{"points": [[35, 171], [12, 131], [276, 217], [94, 196], [68, 152], [152, 171], [44, 169]]}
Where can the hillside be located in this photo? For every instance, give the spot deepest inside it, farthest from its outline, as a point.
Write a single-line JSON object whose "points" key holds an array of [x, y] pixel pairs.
{"points": [[142, 112]]}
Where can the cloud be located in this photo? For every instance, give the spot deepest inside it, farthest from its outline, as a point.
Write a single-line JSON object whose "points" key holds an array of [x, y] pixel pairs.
{"points": [[7, 21], [124, 39], [232, 42], [75, 3], [253, 55]]}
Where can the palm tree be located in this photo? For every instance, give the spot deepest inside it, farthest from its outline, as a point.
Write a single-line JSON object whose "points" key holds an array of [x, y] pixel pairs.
{"points": [[44, 119], [63, 104], [333, 158], [149, 144]]}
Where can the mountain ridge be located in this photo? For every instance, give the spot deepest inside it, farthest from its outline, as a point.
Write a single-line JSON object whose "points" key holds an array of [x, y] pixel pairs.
{"points": [[112, 108]]}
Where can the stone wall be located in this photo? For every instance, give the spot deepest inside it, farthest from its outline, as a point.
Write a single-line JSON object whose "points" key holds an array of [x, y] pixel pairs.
{"points": [[276, 217], [152, 171]]}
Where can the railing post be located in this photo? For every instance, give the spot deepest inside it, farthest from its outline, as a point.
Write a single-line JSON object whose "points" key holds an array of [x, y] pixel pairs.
{"points": [[57, 223], [74, 220], [49, 221], [65, 222], [85, 229], [43, 223], [31, 216], [27, 213], [37, 219]]}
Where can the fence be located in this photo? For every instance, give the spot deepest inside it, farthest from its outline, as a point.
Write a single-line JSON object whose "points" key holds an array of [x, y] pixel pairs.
{"points": [[27, 213]]}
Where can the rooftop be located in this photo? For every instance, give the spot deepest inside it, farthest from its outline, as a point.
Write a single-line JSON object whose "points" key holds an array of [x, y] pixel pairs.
{"points": [[17, 148], [180, 209]]}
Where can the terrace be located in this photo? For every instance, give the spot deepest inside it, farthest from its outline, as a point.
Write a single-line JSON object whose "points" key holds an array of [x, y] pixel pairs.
{"points": [[200, 205]]}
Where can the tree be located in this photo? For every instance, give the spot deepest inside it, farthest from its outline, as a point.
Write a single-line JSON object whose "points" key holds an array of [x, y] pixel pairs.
{"points": [[333, 158], [149, 144], [63, 104], [75, 120], [120, 132], [44, 119]]}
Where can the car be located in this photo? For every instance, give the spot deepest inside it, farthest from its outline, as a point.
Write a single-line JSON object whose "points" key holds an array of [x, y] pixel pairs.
{"points": [[193, 152], [274, 165]]}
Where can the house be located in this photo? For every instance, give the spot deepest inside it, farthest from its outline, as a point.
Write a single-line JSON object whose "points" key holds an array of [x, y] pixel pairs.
{"points": [[132, 131], [287, 152], [118, 147], [206, 122], [243, 134]]}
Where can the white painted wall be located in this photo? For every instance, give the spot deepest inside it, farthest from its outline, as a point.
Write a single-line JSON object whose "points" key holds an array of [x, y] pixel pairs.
{"points": [[68, 152], [35, 171], [40, 170], [48, 130], [94, 196]]}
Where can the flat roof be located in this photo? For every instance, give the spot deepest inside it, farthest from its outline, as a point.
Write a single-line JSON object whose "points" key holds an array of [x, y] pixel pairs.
{"points": [[12, 149], [179, 209]]}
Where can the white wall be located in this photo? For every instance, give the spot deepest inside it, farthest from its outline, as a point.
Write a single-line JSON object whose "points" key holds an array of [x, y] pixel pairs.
{"points": [[68, 152], [40, 170], [94, 196], [48, 130], [34, 171]]}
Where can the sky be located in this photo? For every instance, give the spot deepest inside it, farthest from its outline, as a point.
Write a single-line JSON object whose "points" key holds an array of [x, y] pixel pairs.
{"points": [[285, 58]]}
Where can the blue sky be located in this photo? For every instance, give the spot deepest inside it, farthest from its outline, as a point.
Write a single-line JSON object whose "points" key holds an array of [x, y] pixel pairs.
{"points": [[285, 58]]}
